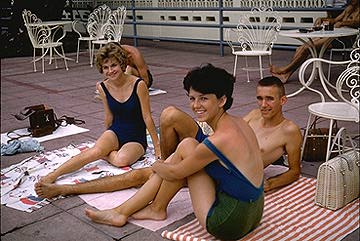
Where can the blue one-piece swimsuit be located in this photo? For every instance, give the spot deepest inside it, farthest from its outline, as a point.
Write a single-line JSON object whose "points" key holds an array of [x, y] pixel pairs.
{"points": [[238, 206], [128, 123]]}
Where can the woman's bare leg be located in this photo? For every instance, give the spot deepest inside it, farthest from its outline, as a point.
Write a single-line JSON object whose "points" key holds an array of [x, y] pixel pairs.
{"points": [[103, 146], [128, 154], [202, 193], [156, 189], [118, 216], [157, 209]]}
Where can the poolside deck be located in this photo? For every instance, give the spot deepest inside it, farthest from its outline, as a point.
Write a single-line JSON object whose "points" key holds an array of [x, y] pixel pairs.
{"points": [[72, 93]]}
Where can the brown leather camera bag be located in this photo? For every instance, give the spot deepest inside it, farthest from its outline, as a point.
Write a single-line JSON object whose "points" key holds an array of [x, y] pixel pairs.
{"points": [[42, 119], [316, 143]]}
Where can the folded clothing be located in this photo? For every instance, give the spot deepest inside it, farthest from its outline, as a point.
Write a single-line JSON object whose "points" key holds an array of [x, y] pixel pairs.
{"points": [[18, 146]]}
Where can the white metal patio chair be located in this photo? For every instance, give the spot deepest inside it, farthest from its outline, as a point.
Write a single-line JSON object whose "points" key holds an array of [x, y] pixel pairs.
{"points": [[94, 27], [43, 37], [113, 28], [343, 107], [254, 36], [344, 50]]}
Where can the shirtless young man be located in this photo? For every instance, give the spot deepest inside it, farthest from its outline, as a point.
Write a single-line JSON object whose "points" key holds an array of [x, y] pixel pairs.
{"points": [[136, 64], [350, 17], [276, 134], [176, 125]]}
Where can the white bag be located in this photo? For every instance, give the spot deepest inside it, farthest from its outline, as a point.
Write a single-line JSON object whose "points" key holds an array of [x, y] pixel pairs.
{"points": [[338, 179]]}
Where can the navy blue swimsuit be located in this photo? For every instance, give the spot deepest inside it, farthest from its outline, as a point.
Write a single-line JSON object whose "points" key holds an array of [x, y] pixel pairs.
{"points": [[128, 123], [230, 180], [200, 136]]}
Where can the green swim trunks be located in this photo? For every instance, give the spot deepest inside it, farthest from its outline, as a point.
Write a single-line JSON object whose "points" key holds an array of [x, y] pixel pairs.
{"points": [[231, 219]]}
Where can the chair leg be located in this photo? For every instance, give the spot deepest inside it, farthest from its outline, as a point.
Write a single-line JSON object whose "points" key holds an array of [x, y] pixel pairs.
{"points": [[270, 63], [261, 67], [63, 53], [306, 135], [51, 55], [90, 51], [235, 64], [56, 66], [247, 69], [34, 61], [77, 53], [43, 60], [329, 67], [329, 140], [339, 141], [92, 55]]}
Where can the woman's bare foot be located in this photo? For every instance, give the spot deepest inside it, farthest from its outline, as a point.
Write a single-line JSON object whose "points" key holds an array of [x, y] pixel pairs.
{"points": [[110, 217], [149, 212], [48, 190]]}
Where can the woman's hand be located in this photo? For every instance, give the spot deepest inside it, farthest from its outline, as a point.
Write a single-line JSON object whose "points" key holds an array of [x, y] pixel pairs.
{"points": [[157, 165], [164, 169]]}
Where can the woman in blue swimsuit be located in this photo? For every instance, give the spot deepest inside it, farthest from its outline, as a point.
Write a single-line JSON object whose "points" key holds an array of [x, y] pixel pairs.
{"points": [[127, 116], [224, 172]]}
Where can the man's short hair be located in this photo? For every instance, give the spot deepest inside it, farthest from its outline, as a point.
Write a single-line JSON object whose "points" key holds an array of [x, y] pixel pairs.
{"points": [[273, 81]]}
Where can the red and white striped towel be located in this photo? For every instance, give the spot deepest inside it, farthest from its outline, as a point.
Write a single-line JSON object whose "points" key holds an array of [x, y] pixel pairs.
{"points": [[289, 214]]}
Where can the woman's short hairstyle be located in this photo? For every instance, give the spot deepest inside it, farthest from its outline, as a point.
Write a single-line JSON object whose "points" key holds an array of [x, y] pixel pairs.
{"points": [[273, 81], [208, 79], [108, 51]]}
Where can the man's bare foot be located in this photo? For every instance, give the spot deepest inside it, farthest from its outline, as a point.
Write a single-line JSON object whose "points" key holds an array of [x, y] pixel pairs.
{"points": [[283, 77], [149, 212], [276, 70], [110, 217], [48, 190], [49, 178]]}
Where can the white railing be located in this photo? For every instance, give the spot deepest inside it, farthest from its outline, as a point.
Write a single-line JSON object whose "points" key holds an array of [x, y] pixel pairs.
{"points": [[205, 3]]}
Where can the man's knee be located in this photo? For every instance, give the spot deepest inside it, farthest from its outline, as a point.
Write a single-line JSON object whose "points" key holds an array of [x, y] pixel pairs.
{"points": [[150, 77], [169, 116]]}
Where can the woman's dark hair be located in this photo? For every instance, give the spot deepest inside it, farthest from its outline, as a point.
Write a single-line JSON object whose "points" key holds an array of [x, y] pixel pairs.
{"points": [[208, 79]]}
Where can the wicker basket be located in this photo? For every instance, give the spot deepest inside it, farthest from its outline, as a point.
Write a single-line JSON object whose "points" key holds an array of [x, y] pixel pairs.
{"points": [[338, 181]]}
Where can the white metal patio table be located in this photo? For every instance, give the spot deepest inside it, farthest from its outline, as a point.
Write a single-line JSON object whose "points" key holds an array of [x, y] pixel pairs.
{"points": [[308, 39]]}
